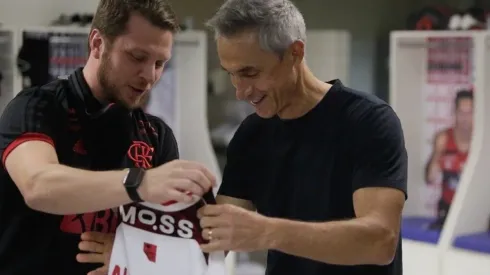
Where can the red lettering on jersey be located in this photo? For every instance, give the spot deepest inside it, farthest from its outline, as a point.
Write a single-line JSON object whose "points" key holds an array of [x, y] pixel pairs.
{"points": [[102, 221], [150, 251], [105, 221], [117, 271], [174, 202], [141, 154]]}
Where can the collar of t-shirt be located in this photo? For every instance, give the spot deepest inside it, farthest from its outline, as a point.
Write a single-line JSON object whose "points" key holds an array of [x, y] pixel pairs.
{"points": [[82, 90], [324, 103]]}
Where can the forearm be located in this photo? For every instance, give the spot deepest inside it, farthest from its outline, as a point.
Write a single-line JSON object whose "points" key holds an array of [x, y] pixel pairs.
{"points": [[60, 189], [428, 168], [351, 242], [431, 169]]}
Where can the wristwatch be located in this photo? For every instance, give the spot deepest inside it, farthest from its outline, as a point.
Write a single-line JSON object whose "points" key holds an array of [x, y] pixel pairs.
{"points": [[132, 181]]}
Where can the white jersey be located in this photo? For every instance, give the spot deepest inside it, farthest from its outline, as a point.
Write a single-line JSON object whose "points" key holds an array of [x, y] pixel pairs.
{"points": [[157, 239]]}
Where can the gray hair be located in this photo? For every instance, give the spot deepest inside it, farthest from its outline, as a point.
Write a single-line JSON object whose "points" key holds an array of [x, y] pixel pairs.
{"points": [[278, 23]]}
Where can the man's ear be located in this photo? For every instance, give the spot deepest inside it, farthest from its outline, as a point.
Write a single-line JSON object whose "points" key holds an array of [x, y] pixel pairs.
{"points": [[96, 43], [297, 51]]}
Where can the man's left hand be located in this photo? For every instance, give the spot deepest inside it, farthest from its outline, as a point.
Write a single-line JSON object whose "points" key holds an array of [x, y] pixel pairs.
{"points": [[96, 248], [228, 227]]}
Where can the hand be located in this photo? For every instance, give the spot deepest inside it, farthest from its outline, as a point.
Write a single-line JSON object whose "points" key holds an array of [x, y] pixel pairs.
{"points": [[228, 227], [435, 175], [98, 248], [175, 181]]}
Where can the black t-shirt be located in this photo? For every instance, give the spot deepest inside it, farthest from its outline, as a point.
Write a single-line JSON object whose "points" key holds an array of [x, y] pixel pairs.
{"points": [[65, 114], [308, 168]]}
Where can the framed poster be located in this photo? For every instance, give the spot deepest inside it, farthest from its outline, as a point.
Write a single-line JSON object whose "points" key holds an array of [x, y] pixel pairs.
{"points": [[449, 79]]}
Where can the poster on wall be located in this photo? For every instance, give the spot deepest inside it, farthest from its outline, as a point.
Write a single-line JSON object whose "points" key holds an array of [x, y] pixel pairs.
{"points": [[447, 104], [162, 101]]}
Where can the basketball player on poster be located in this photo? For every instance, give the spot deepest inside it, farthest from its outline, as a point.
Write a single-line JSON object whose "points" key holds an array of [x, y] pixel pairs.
{"points": [[449, 154]]}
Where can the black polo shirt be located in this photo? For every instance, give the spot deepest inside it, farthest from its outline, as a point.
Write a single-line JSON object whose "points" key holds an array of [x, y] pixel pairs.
{"points": [[307, 169], [85, 134]]}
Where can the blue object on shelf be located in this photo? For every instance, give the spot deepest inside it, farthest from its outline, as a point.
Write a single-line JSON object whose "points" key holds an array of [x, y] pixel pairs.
{"points": [[417, 229], [479, 242]]}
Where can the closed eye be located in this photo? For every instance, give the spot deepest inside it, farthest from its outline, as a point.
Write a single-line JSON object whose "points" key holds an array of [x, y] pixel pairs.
{"points": [[250, 75], [160, 63], [138, 58]]}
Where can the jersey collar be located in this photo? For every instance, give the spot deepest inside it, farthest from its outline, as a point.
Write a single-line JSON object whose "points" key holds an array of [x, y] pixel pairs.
{"points": [[83, 92]]}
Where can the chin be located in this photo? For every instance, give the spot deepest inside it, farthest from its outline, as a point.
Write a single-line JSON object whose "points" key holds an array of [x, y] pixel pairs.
{"points": [[132, 103], [128, 104], [265, 114], [266, 110]]}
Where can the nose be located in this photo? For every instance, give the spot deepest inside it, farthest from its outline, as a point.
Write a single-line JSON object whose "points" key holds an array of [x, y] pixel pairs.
{"points": [[149, 73], [243, 93], [243, 90]]}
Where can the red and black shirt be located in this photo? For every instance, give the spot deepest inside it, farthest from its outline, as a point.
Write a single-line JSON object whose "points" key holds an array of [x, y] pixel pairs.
{"points": [[86, 134], [451, 162]]}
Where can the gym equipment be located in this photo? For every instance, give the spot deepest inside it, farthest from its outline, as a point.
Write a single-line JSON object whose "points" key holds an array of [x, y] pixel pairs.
{"points": [[433, 17]]}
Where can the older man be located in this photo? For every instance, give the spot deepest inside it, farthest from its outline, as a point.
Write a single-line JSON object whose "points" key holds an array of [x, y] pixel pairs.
{"points": [[318, 175]]}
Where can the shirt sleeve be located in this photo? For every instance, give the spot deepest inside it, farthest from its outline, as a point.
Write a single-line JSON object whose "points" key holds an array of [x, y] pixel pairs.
{"points": [[380, 157], [238, 175], [169, 149], [29, 116]]}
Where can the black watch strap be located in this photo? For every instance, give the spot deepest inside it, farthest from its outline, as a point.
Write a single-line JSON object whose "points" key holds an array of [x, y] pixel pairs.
{"points": [[132, 181]]}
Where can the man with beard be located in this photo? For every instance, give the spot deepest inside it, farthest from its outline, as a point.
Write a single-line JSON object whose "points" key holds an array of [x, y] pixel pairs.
{"points": [[74, 149], [450, 151]]}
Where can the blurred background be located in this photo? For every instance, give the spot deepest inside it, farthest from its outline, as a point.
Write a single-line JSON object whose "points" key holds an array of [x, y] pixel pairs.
{"points": [[424, 57]]}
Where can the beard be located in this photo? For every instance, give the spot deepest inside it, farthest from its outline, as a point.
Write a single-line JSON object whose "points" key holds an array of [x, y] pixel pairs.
{"points": [[108, 136], [108, 84]]}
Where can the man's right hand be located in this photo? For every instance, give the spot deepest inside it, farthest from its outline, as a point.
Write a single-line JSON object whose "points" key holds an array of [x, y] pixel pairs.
{"points": [[175, 180]]}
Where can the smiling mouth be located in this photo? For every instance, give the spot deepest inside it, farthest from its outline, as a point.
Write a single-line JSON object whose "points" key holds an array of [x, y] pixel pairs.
{"points": [[257, 101], [139, 91]]}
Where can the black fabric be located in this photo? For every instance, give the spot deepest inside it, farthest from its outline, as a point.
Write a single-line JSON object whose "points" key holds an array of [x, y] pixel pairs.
{"points": [[33, 59], [106, 129], [32, 111], [307, 169], [32, 242]]}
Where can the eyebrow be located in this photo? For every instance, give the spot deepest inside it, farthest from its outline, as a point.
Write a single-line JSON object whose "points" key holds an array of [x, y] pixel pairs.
{"points": [[144, 52], [242, 70], [137, 50]]}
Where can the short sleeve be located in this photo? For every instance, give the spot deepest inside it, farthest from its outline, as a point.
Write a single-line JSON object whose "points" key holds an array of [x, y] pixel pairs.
{"points": [[29, 116], [238, 181], [379, 154], [169, 149]]}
